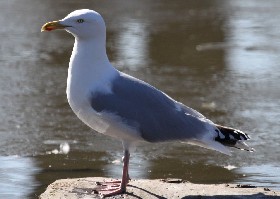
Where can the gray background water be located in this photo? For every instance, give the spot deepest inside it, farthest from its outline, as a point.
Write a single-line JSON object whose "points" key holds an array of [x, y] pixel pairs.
{"points": [[219, 57]]}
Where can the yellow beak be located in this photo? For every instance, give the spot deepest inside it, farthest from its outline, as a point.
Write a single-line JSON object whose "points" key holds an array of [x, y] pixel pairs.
{"points": [[54, 25]]}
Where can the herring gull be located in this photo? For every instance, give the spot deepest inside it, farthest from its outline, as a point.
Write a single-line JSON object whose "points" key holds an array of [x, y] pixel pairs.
{"points": [[126, 108]]}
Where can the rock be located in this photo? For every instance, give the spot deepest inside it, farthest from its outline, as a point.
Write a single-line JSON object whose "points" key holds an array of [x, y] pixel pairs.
{"points": [[83, 188]]}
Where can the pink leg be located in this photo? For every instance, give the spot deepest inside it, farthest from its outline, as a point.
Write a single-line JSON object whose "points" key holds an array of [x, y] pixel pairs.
{"points": [[116, 187]]}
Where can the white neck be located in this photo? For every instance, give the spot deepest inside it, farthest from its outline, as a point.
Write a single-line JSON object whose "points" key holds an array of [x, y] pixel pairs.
{"points": [[93, 50], [88, 68]]}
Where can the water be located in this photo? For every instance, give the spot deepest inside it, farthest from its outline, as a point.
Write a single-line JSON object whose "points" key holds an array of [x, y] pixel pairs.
{"points": [[219, 57]]}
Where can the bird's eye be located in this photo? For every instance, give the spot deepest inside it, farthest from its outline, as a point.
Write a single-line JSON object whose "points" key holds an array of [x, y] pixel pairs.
{"points": [[80, 21]]}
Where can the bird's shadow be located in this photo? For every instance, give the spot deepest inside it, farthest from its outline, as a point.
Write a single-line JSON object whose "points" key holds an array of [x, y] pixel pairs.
{"points": [[253, 196], [150, 193]]}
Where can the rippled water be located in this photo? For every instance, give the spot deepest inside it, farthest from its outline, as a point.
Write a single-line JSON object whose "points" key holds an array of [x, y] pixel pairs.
{"points": [[219, 57]]}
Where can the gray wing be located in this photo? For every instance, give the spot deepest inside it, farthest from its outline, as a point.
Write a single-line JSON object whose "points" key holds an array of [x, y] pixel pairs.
{"points": [[156, 116]]}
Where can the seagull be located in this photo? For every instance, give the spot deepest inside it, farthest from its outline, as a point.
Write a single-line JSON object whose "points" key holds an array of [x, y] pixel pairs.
{"points": [[121, 106]]}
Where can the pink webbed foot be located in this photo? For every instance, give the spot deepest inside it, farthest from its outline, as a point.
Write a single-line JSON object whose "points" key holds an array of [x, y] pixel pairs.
{"points": [[115, 187], [110, 188]]}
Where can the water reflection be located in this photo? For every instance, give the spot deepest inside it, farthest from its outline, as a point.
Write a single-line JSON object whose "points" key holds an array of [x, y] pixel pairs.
{"points": [[15, 172], [132, 45], [250, 42]]}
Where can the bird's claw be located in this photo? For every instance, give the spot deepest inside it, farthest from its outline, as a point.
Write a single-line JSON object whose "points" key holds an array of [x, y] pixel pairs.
{"points": [[110, 188]]}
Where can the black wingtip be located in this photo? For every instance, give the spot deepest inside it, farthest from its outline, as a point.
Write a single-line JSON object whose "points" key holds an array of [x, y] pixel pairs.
{"points": [[233, 138]]}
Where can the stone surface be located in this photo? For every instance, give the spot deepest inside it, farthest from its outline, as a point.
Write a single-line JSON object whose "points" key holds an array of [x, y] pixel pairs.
{"points": [[82, 188]]}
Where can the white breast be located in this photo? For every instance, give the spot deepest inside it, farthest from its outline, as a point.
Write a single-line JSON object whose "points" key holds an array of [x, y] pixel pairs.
{"points": [[81, 85], [90, 71]]}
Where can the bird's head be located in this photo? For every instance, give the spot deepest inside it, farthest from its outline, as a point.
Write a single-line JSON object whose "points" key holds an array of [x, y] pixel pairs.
{"points": [[84, 24]]}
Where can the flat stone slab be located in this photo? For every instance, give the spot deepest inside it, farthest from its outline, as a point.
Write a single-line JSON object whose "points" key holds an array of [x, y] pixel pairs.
{"points": [[83, 188]]}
